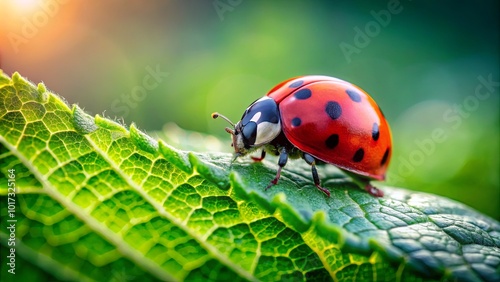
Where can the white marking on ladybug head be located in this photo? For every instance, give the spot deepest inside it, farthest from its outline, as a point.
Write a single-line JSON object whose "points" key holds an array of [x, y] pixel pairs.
{"points": [[256, 117], [266, 132]]}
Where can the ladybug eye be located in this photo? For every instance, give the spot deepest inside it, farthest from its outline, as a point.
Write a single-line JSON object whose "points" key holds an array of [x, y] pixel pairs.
{"points": [[249, 132]]}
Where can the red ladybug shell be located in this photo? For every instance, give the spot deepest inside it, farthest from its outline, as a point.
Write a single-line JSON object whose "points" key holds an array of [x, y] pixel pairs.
{"points": [[336, 122]]}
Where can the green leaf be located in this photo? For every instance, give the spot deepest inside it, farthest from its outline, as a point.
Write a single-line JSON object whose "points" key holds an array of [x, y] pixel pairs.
{"points": [[95, 201]]}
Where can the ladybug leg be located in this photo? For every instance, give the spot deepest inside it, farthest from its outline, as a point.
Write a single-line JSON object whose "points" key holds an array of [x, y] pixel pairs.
{"points": [[373, 190], [258, 159], [310, 160], [364, 183], [281, 162]]}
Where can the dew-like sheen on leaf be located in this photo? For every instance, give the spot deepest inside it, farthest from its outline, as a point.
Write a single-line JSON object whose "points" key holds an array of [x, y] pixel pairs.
{"points": [[95, 201]]}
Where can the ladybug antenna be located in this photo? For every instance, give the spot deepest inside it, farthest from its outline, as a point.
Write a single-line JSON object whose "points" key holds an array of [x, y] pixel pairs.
{"points": [[216, 115]]}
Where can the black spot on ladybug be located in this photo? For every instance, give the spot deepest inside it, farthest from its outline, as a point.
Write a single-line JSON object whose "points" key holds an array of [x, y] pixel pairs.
{"points": [[296, 84], [296, 121], [303, 94], [386, 155], [375, 132], [332, 141], [354, 95], [358, 156], [333, 110]]}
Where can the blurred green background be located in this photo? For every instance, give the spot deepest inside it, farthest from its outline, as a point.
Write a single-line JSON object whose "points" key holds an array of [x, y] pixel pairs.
{"points": [[432, 67]]}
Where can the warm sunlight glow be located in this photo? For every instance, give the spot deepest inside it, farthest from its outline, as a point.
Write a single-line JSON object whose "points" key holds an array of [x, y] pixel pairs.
{"points": [[29, 24], [25, 6]]}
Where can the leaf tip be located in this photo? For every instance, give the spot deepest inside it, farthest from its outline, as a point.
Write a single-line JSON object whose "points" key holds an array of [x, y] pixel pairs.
{"points": [[177, 158], [333, 233], [212, 172], [289, 214], [16, 77], [83, 122], [42, 91], [143, 141], [41, 88], [236, 183], [109, 124]]}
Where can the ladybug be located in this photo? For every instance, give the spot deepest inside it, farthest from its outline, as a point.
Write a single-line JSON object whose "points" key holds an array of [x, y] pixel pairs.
{"points": [[320, 119]]}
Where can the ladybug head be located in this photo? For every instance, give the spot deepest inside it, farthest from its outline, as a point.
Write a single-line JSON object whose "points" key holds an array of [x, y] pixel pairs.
{"points": [[258, 126]]}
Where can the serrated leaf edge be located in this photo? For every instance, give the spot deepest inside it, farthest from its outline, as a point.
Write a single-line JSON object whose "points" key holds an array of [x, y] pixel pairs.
{"points": [[96, 226]]}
